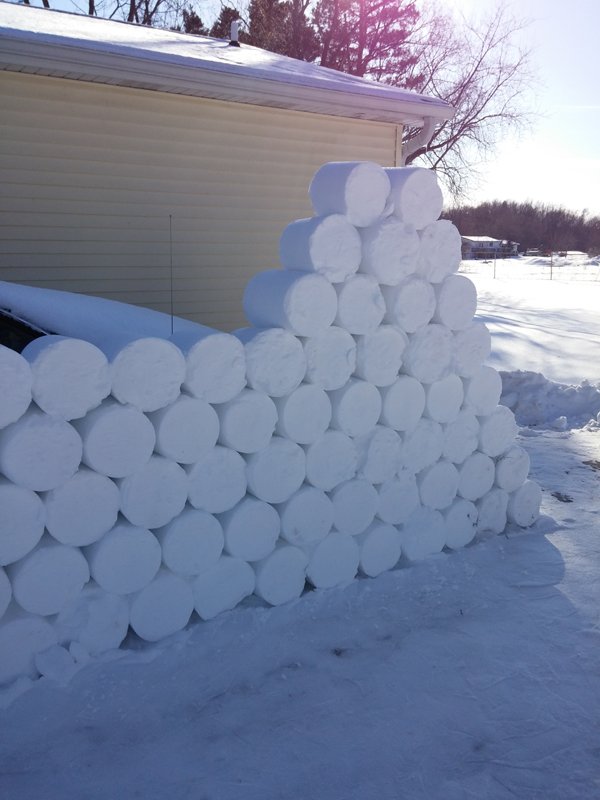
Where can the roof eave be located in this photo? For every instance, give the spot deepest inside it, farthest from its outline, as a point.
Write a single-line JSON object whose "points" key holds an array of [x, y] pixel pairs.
{"points": [[136, 71]]}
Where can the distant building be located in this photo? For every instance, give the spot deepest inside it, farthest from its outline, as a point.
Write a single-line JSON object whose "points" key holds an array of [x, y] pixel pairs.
{"points": [[486, 247]]}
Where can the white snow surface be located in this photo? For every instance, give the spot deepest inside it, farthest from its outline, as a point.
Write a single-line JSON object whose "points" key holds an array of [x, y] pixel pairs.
{"points": [[545, 336], [472, 674]]}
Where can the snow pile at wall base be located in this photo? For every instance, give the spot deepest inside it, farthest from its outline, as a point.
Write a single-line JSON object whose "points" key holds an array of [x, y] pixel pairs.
{"points": [[538, 401], [351, 428]]}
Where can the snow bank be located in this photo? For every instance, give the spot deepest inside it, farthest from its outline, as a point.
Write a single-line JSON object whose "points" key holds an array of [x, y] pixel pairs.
{"points": [[537, 401]]}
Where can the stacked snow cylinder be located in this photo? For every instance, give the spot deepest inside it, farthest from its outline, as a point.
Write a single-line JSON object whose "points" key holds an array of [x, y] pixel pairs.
{"points": [[351, 427]]}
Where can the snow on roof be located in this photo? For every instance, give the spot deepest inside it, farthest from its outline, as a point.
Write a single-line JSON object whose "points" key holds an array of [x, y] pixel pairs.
{"points": [[481, 239], [80, 47]]}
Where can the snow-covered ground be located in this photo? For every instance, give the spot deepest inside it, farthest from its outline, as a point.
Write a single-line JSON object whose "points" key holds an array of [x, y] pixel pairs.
{"points": [[545, 333], [471, 675]]}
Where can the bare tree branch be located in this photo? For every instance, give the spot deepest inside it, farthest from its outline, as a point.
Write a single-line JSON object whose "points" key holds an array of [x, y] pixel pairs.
{"points": [[479, 68]]}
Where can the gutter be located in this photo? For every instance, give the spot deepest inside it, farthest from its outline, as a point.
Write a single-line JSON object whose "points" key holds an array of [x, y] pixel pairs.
{"points": [[211, 81], [420, 140]]}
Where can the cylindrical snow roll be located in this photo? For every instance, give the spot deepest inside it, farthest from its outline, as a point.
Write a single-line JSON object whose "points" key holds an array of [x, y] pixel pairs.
{"points": [[379, 549], [277, 471], [378, 454], [300, 302], [492, 508], [250, 529], [327, 245], [5, 592], [355, 503], [185, 429], [422, 445], [303, 415], [161, 608], [330, 358], [440, 252], [456, 302], [403, 403], [215, 364], [70, 376], [461, 523], [398, 498], [117, 440], [22, 637], [247, 422], [39, 452], [461, 437], [275, 360], [96, 620], [416, 195], [222, 586], [476, 476], [410, 304], [49, 578], [22, 520], [482, 391], [523, 505], [333, 561], [444, 399], [360, 305], [191, 543], [217, 481], [472, 345], [423, 534], [125, 559], [83, 509], [306, 517], [331, 460], [356, 407], [512, 469], [147, 372], [429, 354], [390, 251], [16, 381], [497, 431], [57, 664], [155, 494], [280, 577], [438, 485], [357, 189], [379, 355]]}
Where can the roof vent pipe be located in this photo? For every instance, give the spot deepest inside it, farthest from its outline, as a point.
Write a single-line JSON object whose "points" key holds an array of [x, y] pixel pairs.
{"points": [[421, 139], [234, 34]]}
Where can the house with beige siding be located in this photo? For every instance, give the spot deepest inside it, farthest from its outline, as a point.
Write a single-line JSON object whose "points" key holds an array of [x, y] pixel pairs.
{"points": [[159, 168]]}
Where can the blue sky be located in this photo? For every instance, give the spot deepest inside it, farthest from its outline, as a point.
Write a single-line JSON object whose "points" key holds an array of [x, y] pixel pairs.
{"points": [[558, 161]]}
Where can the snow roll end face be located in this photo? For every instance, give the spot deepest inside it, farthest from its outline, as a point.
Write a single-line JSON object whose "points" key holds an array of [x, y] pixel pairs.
{"points": [[350, 427]]}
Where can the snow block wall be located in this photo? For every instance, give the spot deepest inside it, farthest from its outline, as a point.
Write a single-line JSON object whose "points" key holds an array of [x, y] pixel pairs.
{"points": [[352, 427]]}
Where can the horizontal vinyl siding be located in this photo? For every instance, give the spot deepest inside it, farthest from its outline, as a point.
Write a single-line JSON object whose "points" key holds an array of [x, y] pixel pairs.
{"points": [[91, 174]]}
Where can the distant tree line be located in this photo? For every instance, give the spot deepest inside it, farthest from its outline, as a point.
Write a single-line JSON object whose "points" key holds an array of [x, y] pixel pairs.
{"points": [[532, 225]]}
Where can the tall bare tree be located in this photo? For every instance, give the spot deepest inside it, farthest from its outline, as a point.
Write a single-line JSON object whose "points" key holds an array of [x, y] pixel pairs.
{"points": [[483, 70], [480, 67]]}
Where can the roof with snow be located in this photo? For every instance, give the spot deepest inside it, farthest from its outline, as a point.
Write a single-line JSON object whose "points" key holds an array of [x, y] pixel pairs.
{"points": [[79, 47], [480, 239]]}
